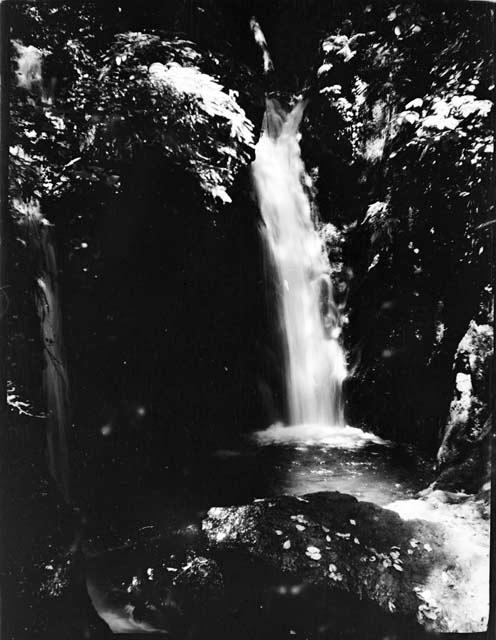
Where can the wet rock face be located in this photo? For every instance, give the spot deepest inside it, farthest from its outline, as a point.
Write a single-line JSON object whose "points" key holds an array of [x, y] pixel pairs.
{"points": [[469, 474], [199, 586], [170, 598], [317, 566], [65, 604], [334, 541], [273, 569], [463, 454], [45, 589]]}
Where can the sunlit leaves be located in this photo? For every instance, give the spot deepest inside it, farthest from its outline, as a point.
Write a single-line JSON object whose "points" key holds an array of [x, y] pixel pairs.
{"points": [[141, 91], [154, 94], [313, 553]]}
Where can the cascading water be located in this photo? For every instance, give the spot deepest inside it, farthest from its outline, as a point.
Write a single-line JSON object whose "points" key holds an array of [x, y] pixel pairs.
{"points": [[39, 240], [38, 237], [314, 361]]}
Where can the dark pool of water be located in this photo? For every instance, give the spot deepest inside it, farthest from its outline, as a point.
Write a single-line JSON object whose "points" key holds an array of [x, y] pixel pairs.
{"points": [[310, 459], [280, 460]]}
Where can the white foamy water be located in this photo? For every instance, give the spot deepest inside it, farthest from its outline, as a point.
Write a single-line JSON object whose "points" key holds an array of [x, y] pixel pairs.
{"points": [[458, 593], [119, 619], [335, 437], [314, 361]]}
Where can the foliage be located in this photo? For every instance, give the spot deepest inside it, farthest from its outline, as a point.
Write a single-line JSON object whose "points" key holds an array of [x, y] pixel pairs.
{"points": [[415, 136], [133, 92], [397, 134], [152, 93]]}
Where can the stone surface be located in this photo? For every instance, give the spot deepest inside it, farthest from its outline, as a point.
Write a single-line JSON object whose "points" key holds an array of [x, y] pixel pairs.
{"points": [[199, 585], [468, 475], [334, 541], [45, 589], [300, 566], [463, 455]]}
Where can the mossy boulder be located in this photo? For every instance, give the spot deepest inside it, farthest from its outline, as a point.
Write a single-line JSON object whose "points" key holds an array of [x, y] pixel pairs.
{"points": [[299, 564], [464, 452], [337, 544]]}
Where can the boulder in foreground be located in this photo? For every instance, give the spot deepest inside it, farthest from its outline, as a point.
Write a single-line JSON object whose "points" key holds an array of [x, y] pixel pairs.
{"points": [[337, 543]]}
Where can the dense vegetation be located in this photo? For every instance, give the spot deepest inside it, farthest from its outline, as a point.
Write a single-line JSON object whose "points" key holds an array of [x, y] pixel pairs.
{"points": [[132, 129], [121, 114], [130, 142]]}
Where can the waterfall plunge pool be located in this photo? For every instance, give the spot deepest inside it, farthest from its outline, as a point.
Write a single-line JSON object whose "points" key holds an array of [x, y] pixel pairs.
{"points": [[311, 458]]}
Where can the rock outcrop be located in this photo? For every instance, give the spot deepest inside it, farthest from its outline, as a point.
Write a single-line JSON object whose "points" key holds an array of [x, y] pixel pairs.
{"points": [[338, 543], [281, 566], [464, 452], [44, 569]]}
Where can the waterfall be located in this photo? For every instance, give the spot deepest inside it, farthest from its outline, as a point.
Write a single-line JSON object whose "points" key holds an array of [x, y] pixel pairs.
{"points": [[38, 238], [314, 361], [41, 247], [55, 378]]}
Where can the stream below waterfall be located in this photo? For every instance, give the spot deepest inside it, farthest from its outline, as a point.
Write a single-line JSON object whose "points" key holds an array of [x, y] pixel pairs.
{"points": [[280, 460]]}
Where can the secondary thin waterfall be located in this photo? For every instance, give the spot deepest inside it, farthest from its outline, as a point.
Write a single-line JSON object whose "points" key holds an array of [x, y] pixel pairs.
{"points": [[38, 238], [314, 361]]}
